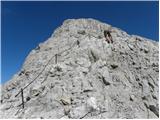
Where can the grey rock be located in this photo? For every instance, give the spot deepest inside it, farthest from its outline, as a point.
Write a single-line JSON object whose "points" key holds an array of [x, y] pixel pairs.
{"points": [[77, 74]]}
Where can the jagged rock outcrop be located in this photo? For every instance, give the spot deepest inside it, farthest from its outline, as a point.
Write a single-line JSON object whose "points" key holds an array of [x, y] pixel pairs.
{"points": [[77, 74]]}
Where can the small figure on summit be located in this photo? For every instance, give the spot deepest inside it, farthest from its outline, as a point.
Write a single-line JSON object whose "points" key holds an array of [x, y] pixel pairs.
{"points": [[108, 36]]}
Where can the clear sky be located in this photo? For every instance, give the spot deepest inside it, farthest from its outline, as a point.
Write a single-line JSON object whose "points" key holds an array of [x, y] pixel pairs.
{"points": [[25, 24]]}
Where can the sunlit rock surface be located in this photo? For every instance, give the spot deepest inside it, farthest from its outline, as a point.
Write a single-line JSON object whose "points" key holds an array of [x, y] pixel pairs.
{"points": [[77, 74]]}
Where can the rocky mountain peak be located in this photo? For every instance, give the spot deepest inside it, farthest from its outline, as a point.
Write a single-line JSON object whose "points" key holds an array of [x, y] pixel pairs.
{"points": [[76, 73]]}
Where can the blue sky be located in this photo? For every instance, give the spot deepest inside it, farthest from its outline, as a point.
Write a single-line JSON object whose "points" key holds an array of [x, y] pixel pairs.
{"points": [[25, 24]]}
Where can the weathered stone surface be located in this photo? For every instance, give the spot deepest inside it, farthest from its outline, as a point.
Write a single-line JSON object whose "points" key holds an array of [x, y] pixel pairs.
{"points": [[77, 74]]}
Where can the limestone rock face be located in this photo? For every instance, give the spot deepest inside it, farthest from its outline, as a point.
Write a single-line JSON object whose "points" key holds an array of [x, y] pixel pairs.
{"points": [[77, 74]]}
